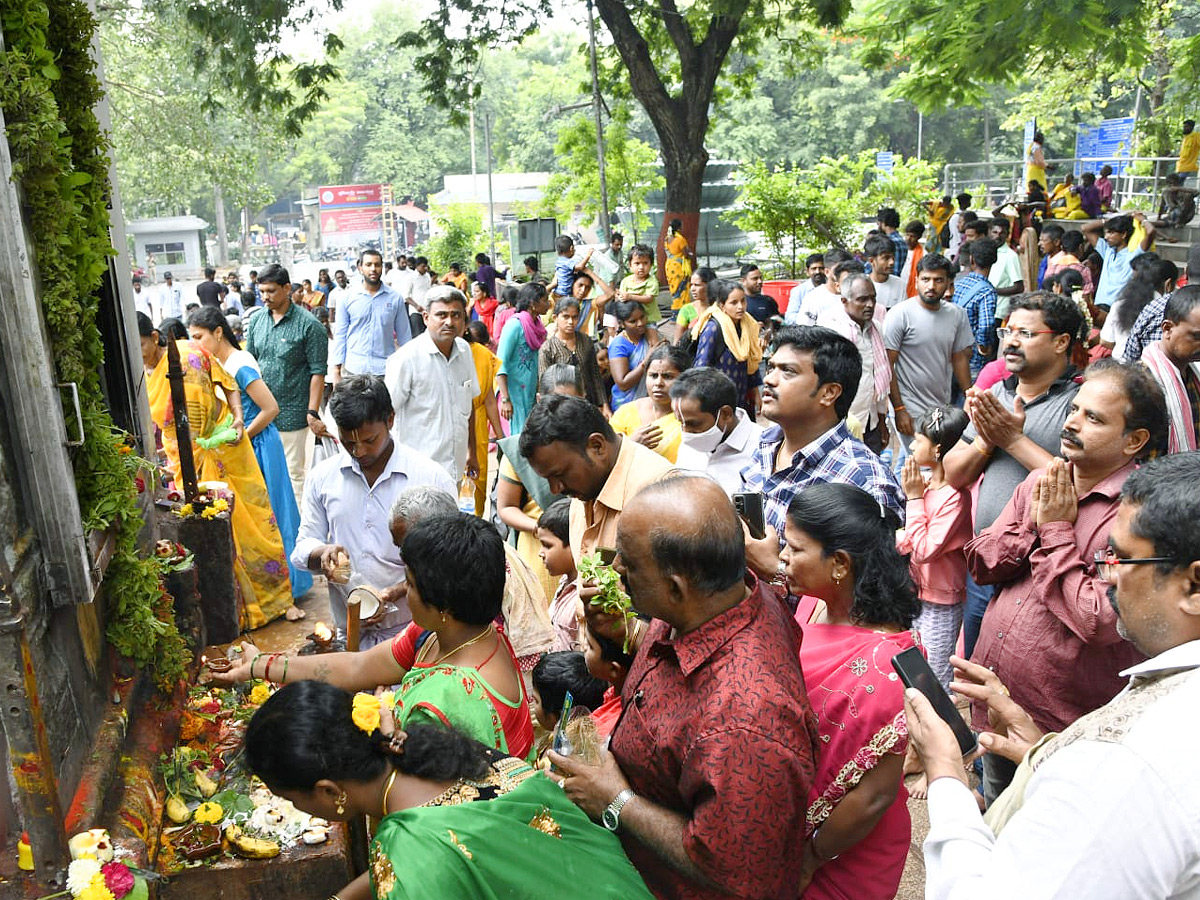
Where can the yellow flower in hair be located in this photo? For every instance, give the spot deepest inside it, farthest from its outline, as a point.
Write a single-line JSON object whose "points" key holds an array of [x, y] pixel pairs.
{"points": [[366, 712]]}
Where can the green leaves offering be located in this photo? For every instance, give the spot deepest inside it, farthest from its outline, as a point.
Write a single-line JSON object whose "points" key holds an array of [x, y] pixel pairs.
{"points": [[612, 598]]}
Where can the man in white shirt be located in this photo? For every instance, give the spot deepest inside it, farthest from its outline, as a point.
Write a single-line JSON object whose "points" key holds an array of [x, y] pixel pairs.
{"points": [[170, 299], [402, 275], [1006, 275], [858, 322], [719, 439], [826, 298], [142, 301], [433, 384], [348, 502], [339, 294], [391, 275], [881, 254], [1108, 809], [417, 287], [815, 269]]}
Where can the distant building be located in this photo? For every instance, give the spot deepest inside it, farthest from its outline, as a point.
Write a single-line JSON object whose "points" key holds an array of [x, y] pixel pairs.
{"points": [[175, 241], [509, 190]]}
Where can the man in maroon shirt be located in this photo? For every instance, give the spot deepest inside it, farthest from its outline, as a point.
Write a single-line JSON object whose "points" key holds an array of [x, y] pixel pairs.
{"points": [[1051, 634], [711, 761]]}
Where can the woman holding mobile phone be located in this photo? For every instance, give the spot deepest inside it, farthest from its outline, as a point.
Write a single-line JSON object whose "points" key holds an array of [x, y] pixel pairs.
{"points": [[857, 606]]}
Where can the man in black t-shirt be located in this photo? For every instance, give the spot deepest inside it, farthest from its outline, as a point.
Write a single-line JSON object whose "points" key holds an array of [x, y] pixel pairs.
{"points": [[209, 292], [759, 305]]}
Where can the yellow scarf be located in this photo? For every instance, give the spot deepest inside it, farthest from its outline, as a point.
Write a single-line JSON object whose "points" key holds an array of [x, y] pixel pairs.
{"points": [[745, 347]]}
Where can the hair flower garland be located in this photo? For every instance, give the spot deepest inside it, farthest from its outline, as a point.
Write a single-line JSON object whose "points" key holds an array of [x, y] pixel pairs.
{"points": [[365, 712]]}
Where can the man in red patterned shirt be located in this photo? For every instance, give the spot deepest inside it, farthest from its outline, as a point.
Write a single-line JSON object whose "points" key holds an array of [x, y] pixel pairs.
{"points": [[1050, 634], [712, 759]]}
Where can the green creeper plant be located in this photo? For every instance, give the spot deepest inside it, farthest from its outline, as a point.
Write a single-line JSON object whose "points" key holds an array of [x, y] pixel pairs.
{"points": [[48, 90]]}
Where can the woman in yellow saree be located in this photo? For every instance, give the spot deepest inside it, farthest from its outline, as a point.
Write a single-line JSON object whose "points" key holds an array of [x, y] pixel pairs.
{"points": [[259, 561], [650, 420], [680, 261]]}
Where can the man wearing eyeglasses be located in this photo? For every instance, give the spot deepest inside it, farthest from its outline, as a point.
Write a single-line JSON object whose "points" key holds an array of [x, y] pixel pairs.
{"points": [[1016, 424], [1107, 812], [1050, 634]]}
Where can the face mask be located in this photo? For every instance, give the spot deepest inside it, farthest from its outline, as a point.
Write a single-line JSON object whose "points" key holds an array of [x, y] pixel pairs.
{"points": [[706, 441]]}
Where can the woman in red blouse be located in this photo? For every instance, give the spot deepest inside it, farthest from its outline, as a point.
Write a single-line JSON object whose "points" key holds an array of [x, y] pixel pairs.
{"points": [[453, 664], [857, 611]]}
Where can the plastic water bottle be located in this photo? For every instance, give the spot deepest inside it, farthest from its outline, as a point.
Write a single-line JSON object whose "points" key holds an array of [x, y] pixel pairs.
{"points": [[466, 496]]}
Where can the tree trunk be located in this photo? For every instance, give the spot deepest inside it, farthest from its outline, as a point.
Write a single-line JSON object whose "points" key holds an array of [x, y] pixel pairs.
{"points": [[222, 234], [681, 120]]}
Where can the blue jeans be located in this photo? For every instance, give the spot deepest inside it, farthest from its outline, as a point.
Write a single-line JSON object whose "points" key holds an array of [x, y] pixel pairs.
{"points": [[978, 598]]}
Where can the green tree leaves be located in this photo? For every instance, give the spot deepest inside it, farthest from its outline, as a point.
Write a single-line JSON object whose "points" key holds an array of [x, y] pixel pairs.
{"points": [[629, 164], [826, 205]]}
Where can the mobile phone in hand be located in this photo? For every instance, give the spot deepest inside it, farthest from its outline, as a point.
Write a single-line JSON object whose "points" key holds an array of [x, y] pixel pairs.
{"points": [[915, 672], [749, 507]]}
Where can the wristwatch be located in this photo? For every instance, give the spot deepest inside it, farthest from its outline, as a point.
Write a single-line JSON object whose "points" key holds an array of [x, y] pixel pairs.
{"points": [[611, 818]]}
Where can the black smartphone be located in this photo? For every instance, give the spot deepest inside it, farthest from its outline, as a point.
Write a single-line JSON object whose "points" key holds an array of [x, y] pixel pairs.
{"points": [[914, 671], [750, 508], [607, 555]]}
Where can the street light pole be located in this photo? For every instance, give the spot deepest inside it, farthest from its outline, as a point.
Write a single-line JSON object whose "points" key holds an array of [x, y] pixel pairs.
{"points": [[487, 150], [920, 131], [606, 225]]}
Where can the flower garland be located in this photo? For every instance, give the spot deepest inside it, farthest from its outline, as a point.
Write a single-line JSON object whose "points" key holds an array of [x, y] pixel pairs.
{"points": [[48, 89]]}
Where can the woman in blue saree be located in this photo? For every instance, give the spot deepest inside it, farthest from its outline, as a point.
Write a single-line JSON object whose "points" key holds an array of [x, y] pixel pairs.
{"points": [[209, 329]]}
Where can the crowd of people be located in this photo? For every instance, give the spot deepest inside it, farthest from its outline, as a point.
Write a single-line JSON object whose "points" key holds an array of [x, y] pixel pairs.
{"points": [[978, 445]]}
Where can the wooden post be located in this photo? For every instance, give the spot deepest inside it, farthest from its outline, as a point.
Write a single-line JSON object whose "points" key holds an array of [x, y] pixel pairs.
{"points": [[353, 625], [183, 431]]}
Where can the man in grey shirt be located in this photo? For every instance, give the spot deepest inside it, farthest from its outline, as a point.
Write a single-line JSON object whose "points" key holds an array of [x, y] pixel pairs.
{"points": [[1016, 424], [928, 342]]}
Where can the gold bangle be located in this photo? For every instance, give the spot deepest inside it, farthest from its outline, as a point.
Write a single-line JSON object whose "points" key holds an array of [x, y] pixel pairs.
{"points": [[987, 454]]}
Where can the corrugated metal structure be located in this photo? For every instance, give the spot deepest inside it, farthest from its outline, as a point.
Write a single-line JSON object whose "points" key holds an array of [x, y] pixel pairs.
{"points": [[718, 243]]}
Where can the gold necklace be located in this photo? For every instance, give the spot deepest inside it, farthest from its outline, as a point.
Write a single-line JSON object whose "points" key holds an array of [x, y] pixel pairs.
{"points": [[387, 789], [464, 644]]}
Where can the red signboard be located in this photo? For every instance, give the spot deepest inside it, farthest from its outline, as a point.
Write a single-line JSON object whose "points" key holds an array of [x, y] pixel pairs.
{"points": [[350, 214]]}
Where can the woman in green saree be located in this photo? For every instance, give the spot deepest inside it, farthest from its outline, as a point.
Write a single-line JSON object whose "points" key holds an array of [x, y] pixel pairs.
{"points": [[459, 819]]}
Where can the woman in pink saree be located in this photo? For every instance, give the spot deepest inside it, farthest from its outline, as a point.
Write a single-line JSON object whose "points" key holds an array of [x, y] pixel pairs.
{"points": [[857, 611]]}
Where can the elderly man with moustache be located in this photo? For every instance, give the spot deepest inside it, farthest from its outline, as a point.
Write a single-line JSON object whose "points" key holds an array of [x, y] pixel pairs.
{"points": [[709, 766]]}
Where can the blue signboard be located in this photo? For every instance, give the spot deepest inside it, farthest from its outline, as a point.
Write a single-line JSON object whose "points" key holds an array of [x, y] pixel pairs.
{"points": [[884, 161], [1109, 142]]}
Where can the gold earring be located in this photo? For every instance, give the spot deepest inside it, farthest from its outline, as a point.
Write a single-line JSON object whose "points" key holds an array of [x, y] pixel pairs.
{"points": [[837, 578], [341, 809]]}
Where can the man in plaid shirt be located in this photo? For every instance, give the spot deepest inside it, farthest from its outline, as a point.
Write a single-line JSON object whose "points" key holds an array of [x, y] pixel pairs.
{"points": [[812, 378], [975, 294]]}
